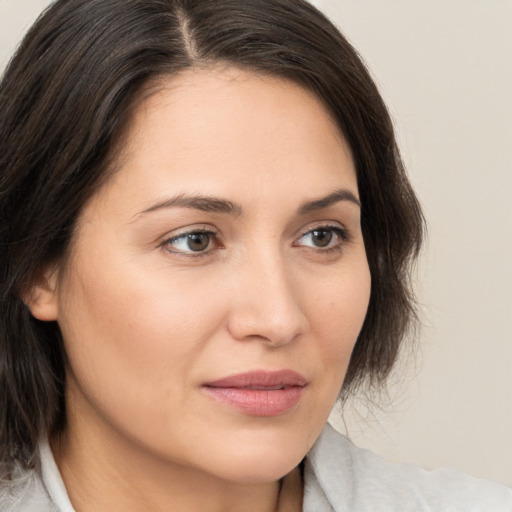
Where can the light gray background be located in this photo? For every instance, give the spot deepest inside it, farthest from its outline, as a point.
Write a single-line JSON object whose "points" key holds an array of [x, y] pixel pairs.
{"points": [[445, 68]]}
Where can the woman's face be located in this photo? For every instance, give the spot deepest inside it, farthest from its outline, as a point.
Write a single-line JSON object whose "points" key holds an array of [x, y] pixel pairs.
{"points": [[217, 283]]}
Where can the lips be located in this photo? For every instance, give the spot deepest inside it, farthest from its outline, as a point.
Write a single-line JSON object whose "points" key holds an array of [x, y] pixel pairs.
{"points": [[259, 393]]}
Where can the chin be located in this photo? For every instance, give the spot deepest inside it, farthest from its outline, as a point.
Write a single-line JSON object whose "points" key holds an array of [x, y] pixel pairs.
{"points": [[258, 459], [257, 469]]}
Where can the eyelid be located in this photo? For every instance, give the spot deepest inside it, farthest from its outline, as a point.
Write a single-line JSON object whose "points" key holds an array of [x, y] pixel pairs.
{"points": [[341, 232], [339, 229], [189, 230], [326, 224]]}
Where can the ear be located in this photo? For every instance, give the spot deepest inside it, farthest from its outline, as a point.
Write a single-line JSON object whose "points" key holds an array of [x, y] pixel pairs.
{"points": [[41, 296]]}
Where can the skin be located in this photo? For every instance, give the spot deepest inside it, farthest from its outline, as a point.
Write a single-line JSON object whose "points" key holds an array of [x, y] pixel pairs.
{"points": [[146, 321]]}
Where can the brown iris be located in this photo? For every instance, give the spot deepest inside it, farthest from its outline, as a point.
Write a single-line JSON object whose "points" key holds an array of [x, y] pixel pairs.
{"points": [[198, 241], [321, 237]]}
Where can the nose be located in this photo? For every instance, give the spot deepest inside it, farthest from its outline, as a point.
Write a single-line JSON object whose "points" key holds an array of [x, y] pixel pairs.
{"points": [[265, 303]]}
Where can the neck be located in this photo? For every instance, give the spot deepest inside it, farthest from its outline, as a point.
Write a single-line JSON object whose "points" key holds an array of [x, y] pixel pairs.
{"points": [[112, 473]]}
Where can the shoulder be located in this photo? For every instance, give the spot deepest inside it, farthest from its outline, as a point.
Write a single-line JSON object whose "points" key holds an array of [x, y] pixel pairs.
{"points": [[350, 478], [24, 492]]}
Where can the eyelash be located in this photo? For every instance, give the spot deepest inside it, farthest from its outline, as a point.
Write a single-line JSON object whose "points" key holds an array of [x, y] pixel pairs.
{"points": [[342, 235], [213, 238]]}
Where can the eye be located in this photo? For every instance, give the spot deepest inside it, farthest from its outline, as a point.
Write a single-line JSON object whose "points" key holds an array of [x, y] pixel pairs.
{"points": [[192, 242], [324, 237]]}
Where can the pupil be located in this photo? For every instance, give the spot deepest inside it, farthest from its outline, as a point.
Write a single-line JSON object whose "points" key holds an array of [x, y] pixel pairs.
{"points": [[322, 237], [198, 241]]}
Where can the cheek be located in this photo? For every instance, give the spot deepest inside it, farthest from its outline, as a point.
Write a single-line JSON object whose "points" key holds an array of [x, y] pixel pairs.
{"points": [[130, 306], [133, 334], [340, 301], [337, 308]]}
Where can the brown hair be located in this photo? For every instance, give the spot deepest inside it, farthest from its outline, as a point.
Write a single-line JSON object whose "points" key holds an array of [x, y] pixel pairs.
{"points": [[64, 100]]}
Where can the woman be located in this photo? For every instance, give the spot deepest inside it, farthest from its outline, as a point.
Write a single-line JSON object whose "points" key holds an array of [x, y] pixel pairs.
{"points": [[208, 233]]}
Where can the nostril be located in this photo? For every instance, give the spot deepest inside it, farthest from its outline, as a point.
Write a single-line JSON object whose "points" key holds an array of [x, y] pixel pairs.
{"points": [[273, 330]]}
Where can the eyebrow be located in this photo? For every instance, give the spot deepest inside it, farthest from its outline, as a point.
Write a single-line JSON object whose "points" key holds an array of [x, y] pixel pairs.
{"points": [[198, 202], [218, 205], [341, 194]]}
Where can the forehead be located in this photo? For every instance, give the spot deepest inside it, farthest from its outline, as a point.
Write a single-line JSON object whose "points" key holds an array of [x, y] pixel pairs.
{"points": [[226, 131]]}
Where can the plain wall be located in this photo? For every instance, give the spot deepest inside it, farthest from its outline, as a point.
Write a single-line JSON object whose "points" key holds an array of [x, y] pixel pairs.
{"points": [[445, 68]]}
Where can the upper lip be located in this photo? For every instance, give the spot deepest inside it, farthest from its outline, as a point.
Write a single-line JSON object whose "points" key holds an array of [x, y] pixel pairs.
{"points": [[260, 379]]}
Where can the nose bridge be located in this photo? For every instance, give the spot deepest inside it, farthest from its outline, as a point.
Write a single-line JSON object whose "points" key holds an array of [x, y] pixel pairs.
{"points": [[267, 305]]}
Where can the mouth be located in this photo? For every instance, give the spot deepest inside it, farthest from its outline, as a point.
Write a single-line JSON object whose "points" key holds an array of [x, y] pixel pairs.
{"points": [[259, 393]]}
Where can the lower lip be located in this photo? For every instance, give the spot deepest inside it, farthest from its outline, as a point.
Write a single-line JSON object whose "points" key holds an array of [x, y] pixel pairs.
{"points": [[256, 402]]}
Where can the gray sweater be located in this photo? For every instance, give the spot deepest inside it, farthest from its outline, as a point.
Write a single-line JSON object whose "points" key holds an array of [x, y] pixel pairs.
{"points": [[338, 477]]}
